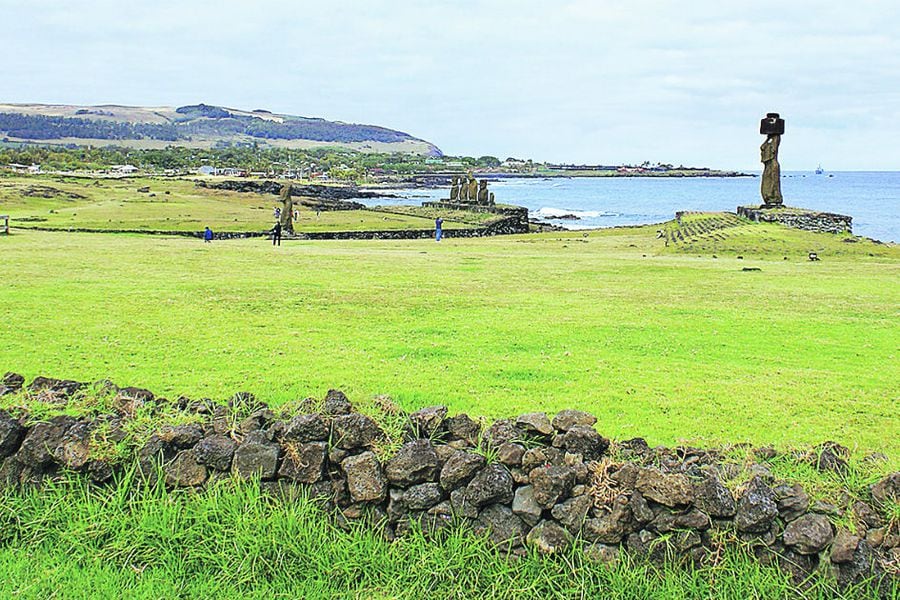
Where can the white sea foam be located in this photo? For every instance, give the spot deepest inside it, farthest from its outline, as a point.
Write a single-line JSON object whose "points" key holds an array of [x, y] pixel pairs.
{"points": [[554, 213]]}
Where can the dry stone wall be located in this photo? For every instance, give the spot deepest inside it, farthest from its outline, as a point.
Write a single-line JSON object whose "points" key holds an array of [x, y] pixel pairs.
{"points": [[534, 480]]}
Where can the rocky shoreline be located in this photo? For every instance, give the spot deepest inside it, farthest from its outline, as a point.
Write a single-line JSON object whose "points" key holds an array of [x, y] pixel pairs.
{"points": [[530, 481], [317, 197]]}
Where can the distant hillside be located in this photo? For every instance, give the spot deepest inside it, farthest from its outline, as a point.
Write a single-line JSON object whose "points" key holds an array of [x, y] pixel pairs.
{"points": [[198, 125]]}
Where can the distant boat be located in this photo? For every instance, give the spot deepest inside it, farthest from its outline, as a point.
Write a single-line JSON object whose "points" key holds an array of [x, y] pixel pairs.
{"points": [[819, 170]]}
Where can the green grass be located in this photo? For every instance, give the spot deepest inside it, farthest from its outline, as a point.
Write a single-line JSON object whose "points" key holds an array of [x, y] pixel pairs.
{"points": [[656, 343], [667, 343], [715, 233], [115, 204], [73, 541], [476, 219]]}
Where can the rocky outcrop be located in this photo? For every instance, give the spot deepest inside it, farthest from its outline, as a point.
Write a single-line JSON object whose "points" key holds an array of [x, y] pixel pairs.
{"points": [[531, 481], [316, 197]]}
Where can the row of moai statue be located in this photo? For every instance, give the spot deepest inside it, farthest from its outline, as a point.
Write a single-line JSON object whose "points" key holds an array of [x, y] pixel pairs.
{"points": [[470, 190]]}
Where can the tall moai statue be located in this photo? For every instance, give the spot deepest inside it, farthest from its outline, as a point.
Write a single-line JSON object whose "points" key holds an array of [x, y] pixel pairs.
{"points": [[473, 188], [483, 197], [287, 208], [454, 189], [772, 126], [463, 190]]}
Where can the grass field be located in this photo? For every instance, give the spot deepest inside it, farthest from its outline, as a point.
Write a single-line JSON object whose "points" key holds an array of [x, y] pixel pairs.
{"points": [[656, 342], [172, 204], [664, 342]]}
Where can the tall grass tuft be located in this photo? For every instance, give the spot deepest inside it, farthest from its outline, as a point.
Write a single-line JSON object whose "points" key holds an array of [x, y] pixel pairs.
{"points": [[73, 540]]}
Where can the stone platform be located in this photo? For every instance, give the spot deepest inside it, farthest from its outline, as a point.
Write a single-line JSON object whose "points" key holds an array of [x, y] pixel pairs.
{"points": [[516, 216], [799, 218]]}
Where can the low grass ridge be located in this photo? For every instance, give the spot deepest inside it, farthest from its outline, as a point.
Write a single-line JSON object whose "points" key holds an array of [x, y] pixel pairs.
{"points": [[722, 233], [73, 540], [172, 204]]}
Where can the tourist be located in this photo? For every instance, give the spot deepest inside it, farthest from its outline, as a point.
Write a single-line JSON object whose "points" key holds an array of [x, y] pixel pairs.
{"points": [[276, 234], [438, 233], [276, 212], [207, 235]]}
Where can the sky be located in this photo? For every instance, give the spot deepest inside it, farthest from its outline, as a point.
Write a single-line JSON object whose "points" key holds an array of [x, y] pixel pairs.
{"points": [[567, 81]]}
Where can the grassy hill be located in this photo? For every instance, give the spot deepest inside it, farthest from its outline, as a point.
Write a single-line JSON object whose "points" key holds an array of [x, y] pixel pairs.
{"points": [[198, 125]]}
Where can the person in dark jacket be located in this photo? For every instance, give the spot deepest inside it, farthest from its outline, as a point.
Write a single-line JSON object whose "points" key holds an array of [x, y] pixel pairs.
{"points": [[276, 234], [207, 235]]}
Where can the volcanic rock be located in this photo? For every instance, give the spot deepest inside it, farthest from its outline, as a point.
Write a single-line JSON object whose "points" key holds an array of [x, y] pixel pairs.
{"points": [[185, 471], [713, 498], [525, 506], [428, 422], [306, 428], [566, 419], [353, 431], [11, 434], [365, 480], [549, 538], [460, 468], [504, 527], [415, 462], [255, 459], [304, 463], [535, 424], [216, 452], [492, 484], [551, 484], [808, 534], [667, 489], [757, 508]]}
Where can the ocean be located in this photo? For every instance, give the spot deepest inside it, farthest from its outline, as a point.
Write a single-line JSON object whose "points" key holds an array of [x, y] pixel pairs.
{"points": [[871, 198]]}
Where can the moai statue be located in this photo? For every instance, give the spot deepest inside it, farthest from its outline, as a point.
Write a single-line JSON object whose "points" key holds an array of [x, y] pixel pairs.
{"points": [[454, 189], [473, 189], [491, 198], [463, 190], [287, 209], [770, 188], [483, 192]]}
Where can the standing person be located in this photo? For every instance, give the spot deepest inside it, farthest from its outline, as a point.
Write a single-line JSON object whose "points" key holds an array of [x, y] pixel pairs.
{"points": [[276, 212], [207, 236], [438, 232], [276, 234]]}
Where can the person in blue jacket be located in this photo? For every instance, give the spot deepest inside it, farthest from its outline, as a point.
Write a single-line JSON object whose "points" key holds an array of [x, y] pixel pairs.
{"points": [[438, 233], [207, 235]]}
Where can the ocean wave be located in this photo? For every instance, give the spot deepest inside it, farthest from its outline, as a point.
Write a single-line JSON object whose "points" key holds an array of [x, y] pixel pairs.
{"points": [[555, 213]]}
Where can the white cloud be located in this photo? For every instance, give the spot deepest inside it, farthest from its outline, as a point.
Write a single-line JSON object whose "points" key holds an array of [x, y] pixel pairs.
{"points": [[579, 80]]}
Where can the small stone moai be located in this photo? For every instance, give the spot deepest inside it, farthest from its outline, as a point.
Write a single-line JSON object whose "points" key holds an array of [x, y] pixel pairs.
{"points": [[483, 197], [287, 208], [454, 189], [772, 126], [473, 188], [491, 198]]}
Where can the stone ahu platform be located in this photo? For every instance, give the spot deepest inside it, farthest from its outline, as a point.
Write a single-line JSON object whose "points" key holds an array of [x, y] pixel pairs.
{"points": [[536, 480], [516, 216], [799, 218]]}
